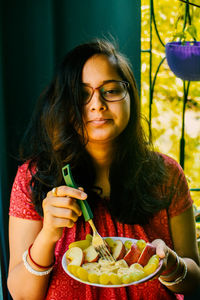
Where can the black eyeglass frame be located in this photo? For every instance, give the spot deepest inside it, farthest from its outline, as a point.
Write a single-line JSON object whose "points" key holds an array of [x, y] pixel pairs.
{"points": [[125, 83]]}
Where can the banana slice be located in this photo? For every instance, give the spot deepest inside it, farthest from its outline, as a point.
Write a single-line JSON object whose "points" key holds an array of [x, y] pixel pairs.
{"points": [[123, 271], [91, 265], [104, 263], [109, 269], [121, 264]]}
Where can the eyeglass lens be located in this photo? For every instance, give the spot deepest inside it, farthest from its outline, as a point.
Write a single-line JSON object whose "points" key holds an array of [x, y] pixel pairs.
{"points": [[110, 91]]}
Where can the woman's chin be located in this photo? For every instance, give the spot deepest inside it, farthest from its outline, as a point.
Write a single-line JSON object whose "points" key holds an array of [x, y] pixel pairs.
{"points": [[101, 139]]}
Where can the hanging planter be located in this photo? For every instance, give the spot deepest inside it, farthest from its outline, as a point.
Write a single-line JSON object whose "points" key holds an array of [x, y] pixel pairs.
{"points": [[184, 59]]}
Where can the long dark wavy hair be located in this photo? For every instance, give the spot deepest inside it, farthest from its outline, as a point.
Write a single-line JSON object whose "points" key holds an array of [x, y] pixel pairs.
{"points": [[53, 139]]}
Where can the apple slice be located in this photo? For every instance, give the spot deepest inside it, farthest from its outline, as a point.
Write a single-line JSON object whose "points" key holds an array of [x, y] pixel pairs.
{"points": [[90, 254], [132, 255], [81, 244], [118, 250], [75, 256], [147, 252], [110, 242]]}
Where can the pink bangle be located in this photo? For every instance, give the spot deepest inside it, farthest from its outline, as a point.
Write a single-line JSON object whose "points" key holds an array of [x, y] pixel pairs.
{"points": [[39, 266]]}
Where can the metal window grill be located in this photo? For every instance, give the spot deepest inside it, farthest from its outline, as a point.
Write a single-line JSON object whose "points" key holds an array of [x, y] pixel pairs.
{"points": [[152, 79]]}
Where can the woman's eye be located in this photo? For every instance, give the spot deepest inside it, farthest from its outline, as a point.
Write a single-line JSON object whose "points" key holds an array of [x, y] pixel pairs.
{"points": [[116, 91]]}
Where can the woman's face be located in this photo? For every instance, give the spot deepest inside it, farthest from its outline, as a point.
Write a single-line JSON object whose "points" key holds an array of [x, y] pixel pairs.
{"points": [[103, 120]]}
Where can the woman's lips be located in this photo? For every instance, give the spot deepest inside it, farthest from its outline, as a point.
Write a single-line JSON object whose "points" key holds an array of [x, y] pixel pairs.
{"points": [[99, 122]]}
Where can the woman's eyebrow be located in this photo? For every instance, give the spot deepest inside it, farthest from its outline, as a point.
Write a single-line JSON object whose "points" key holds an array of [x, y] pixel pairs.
{"points": [[104, 81]]}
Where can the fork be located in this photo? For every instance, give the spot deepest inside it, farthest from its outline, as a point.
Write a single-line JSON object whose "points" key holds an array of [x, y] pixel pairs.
{"points": [[97, 241]]}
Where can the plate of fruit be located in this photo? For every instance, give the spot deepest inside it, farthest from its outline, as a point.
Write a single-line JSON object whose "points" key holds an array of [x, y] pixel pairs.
{"points": [[135, 262]]}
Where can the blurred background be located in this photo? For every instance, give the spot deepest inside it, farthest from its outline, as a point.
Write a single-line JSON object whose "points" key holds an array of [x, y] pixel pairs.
{"points": [[34, 37]]}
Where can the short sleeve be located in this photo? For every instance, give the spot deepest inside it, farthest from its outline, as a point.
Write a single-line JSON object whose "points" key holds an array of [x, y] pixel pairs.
{"points": [[20, 199], [180, 193]]}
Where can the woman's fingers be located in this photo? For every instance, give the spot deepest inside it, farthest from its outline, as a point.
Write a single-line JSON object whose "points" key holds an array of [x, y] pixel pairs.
{"points": [[65, 197], [63, 213], [161, 248], [64, 202], [162, 251], [61, 209], [64, 190], [63, 222]]}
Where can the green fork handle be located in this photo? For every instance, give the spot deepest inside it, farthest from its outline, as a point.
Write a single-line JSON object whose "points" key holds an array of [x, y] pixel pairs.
{"points": [[69, 180]]}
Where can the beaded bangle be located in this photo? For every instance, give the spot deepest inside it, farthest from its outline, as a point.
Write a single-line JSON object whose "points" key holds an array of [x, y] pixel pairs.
{"points": [[39, 266], [31, 270], [178, 280], [173, 271]]}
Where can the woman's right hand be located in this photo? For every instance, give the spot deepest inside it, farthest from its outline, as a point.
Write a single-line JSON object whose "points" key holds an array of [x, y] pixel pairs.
{"points": [[61, 210]]}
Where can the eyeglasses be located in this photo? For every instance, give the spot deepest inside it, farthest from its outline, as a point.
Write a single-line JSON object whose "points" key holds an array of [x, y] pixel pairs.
{"points": [[111, 91]]}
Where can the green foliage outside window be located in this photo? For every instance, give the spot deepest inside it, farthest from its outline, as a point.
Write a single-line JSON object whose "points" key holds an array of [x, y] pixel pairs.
{"points": [[168, 91]]}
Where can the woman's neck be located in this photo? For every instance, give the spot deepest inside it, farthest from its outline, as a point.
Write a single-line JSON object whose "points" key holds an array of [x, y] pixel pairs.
{"points": [[102, 157], [101, 154]]}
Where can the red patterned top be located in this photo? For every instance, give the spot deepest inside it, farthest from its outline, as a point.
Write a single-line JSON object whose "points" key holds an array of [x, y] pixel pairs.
{"points": [[61, 286]]}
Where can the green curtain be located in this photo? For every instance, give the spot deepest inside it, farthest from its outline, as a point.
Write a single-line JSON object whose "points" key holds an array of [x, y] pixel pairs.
{"points": [[35, 35], [3, 184]]}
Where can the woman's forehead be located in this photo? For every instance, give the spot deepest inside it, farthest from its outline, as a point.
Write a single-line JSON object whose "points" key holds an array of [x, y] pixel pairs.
{"points": [[99, 67]]}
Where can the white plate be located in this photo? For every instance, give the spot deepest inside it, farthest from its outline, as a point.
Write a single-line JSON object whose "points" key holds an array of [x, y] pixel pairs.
{"points": [[123, 239]]}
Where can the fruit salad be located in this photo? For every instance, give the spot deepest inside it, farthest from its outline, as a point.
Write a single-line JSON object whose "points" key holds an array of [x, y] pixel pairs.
{"points": [[134, 260]]}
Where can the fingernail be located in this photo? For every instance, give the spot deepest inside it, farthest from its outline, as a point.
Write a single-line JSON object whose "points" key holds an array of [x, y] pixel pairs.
{"points": [[83, 195]]}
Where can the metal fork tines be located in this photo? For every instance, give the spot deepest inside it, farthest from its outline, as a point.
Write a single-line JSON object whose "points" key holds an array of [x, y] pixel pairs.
{"points": [[99, 244]]}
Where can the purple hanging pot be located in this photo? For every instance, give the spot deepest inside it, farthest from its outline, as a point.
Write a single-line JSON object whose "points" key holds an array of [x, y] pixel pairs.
{"points": [[184, 60]]}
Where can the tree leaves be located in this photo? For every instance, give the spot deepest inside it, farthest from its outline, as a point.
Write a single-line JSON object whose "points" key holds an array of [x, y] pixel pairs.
{"points": [[168, 92]]}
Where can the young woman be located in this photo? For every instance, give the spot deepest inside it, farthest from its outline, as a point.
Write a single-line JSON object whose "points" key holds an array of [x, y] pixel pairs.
{"points": [[90, 117]]}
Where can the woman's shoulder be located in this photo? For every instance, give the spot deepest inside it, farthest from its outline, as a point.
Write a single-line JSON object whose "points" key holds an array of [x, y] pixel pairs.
{"points": [[20, 200], [24, 166], [174, 171], [177, 185], [26, 170], [170, 163]]}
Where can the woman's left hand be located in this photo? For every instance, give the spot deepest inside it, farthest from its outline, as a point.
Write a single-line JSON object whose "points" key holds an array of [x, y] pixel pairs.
{"points": [[162, 250]]}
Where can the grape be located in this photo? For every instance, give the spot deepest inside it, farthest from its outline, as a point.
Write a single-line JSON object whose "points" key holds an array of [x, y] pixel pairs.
{"points": [[81, 244], [89, 237], [141, 244], [82, 274], [73, 269], [110, 242], [152, 265], [136, 267], [115, 279], [128, 244], [126, 279], [150, 268], [69, 268], [154, 259], [94, 278], [104, 278], [137, 275]]}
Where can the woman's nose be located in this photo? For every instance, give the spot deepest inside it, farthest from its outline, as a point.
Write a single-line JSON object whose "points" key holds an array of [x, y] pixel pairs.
{"points": [[97, 102]]}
